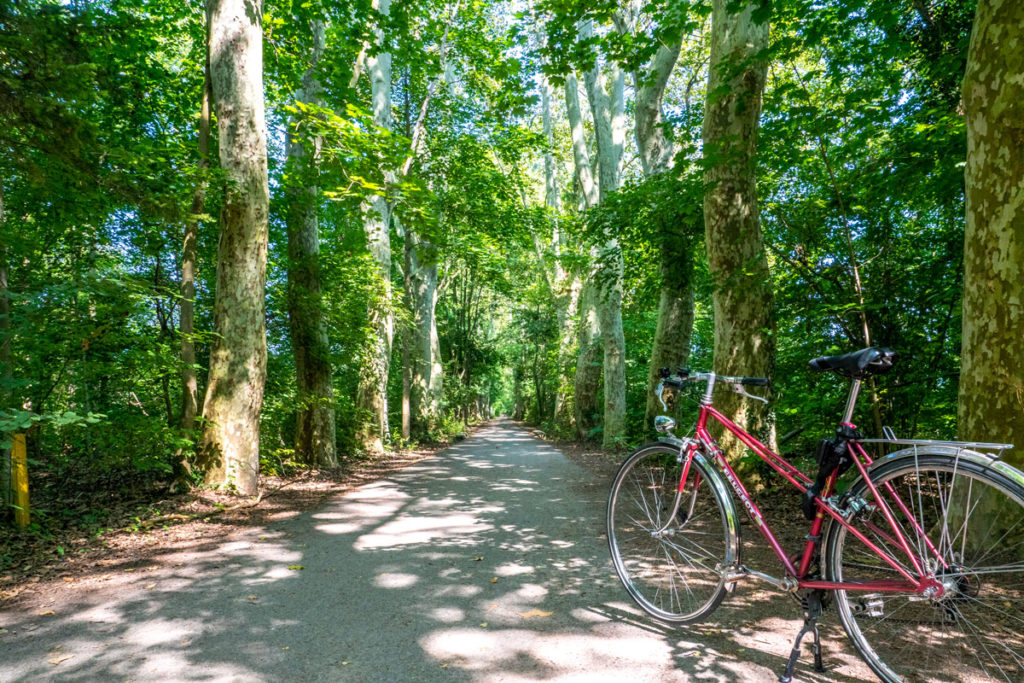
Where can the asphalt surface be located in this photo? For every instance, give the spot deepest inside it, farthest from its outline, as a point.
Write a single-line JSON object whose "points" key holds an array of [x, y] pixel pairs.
{"points": [[486, 562]]}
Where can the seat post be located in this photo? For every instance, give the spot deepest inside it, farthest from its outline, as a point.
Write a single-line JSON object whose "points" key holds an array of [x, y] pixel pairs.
{"points": [[851, 401]]}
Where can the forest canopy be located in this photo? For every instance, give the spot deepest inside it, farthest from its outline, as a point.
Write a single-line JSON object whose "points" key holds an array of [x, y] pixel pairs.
{"points": [[256, 237]]}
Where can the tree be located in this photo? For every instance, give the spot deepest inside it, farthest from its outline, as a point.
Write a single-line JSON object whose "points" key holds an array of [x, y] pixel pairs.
{"points": [[588, 359], [991, 405], [605, 91], [372, 399], [657, 151], [6, 370], [743, 309], [238, 360], [314, 425], [189, 255], [563, 284]]}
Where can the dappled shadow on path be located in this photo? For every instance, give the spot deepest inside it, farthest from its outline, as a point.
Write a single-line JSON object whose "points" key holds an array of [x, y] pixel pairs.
{"points": [[484, 563]]}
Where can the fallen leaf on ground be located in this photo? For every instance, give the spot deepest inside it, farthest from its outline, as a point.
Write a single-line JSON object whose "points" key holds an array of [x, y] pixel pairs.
{"points": [[494, 580], [57, 660], [150, 586], [47, 613], [296, 567], [483, 625], [478, 559], [535, 613]]}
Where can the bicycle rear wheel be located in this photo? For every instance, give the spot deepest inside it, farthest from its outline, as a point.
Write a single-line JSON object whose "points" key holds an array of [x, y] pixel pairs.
{"points": [[974, 518], [666, 546]]}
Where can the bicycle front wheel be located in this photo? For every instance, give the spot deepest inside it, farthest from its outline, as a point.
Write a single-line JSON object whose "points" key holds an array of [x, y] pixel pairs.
{"points": [[667, 546], [973, 518]]}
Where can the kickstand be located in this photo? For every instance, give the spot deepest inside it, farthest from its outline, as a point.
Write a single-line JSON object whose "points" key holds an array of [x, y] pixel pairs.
{"points": [[812, 611]]}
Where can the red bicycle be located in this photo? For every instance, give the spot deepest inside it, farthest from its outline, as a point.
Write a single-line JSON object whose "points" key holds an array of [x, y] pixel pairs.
{"points": [[922, 552]]}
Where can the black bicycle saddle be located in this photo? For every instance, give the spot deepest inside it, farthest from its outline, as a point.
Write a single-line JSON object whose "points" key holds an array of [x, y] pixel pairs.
{"points": [[857, 365]]}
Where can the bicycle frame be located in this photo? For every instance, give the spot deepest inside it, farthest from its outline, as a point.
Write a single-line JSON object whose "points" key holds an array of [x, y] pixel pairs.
{"points": [[916, 581]]}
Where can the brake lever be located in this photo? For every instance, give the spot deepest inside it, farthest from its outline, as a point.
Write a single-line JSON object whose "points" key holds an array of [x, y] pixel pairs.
{"points": [[658, 392], [738, 388]]}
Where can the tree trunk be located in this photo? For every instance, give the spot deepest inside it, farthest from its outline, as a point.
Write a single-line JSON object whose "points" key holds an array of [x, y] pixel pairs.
{"points": [[656, 151], [372, 394], [607, 103], [671, 347], [6, 367], [565, 286], [588, 332], [580, 152], [743, 301], [425, 361], [238, 360], [189, 376], [610, 315], [590, 356], [991, 404], [314, 423], [406, 335], [564, 416]]}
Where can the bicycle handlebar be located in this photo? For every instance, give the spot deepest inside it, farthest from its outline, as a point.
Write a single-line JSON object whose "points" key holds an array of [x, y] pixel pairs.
{"points": [[684, 375]]}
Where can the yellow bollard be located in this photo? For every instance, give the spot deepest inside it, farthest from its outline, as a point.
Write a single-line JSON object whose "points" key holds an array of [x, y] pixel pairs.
{"points": [[19, 480]]}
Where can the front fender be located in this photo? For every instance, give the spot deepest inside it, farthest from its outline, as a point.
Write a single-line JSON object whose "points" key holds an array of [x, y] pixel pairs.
{"points": [[724, 494]]}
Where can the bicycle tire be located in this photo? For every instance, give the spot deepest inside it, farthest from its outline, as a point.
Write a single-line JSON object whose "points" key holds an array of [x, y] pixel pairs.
{"points": [[974, 517], [673, 575]]}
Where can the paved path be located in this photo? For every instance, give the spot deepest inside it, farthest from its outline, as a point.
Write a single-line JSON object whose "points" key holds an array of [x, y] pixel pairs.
{"points": [[486, 562]]}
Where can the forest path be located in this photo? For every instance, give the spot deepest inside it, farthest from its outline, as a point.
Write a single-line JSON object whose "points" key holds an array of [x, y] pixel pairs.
{"points": [[486, 562]]}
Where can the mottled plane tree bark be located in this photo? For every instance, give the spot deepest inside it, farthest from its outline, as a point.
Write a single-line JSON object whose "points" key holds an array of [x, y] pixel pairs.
{"points": [[426, 374], [991, 401], [743, 300], [229, 450], [606, 94], [314, 420], [587, 378], [372, 396]]}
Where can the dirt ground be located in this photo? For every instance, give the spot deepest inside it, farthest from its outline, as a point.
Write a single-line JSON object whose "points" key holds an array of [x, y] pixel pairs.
{"points": [[136, 530]]}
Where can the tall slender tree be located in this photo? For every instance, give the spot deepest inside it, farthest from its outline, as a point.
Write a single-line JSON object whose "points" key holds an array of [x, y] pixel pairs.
{"points": [[426, 373], [605, 86], [656, 150], [372, 396], [588, 330], [743, 301], [314, 424], [238, 360], [6, 369], [991, 404], [564, 283], [189, 254]]}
